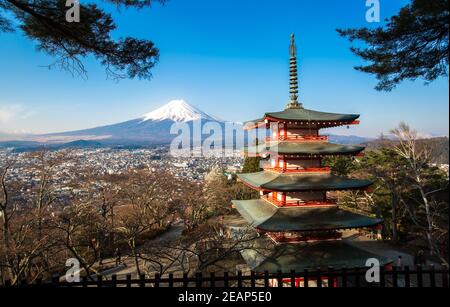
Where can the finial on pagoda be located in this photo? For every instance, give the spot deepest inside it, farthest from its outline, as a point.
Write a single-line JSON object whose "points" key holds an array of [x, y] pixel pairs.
{"points": [[293, 104]]}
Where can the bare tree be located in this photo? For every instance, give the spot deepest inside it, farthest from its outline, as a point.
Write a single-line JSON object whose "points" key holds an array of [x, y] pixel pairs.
{"points": [[77, 230], [193, 206], [209, 245], [418, 159], [148, 207], [20, 248]]}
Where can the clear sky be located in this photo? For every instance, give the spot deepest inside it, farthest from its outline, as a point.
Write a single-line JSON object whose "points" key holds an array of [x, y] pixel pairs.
{"points": [[226, 57]]}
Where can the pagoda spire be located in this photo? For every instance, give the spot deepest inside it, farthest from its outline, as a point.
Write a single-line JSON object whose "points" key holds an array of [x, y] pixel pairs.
{"points": [[293, 103]]}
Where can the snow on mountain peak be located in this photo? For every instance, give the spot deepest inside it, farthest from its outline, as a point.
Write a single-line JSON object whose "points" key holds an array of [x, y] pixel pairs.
{"points": [[177, 111]]}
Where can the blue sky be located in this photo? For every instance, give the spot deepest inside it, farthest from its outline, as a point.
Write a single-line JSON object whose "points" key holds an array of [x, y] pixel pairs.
{"points": [[228, 58]]}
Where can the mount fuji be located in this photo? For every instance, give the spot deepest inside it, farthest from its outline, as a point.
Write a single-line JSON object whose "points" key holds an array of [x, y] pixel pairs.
{"points": [[152, 128], [149, 129], [178, 111]]}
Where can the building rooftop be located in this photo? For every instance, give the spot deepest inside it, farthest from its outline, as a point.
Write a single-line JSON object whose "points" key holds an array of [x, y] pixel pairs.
{"points": [[267, 217], [272, 181], [306, 115], [265, 255], [304, 149]]}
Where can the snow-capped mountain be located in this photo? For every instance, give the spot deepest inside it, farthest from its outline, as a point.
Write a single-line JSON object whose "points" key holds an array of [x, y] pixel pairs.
{"points": [[178, 111], [151, 128]]}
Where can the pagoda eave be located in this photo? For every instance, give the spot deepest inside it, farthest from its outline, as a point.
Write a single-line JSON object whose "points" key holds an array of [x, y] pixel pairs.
{"points": [[265, 255], [319, 124], [273, 181], [269, 218], [303, 149]]}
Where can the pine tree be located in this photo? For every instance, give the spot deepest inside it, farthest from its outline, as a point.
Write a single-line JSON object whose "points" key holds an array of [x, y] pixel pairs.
{"points": [[251, 165], [44, 21], [413, 45]]}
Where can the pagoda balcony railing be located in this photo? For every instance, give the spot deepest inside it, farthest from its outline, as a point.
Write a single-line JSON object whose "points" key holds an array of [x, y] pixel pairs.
{"points": [[303, 138], [296, 169], [282, 237], [300, 203]]}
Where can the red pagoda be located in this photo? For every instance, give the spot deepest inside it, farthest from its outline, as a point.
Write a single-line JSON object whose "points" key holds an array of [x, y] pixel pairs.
{"points": [[299, 222]]}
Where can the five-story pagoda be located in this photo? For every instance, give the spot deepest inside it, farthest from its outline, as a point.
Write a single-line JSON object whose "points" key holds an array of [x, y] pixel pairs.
{"points": [[300, 224]]}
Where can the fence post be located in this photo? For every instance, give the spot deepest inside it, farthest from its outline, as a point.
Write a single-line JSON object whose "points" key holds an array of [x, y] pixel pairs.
{"points": [[212, 282], [114, 281], [142, 280], [280, 279], [432, 276], [239, 279], [170, 280], [226, 283], [128, 280], [293, 285], [330, 277], [266, 279], [445, 277], [157, 280], [198, 280], [39, 281], [382, 277], [419, 276], [99, 281], [185, 280], [319, 278], [55, 279], [357, 278], [85, 281], [394, 277], [407, 277], [344, 277], [252, 279], [306, 278]]}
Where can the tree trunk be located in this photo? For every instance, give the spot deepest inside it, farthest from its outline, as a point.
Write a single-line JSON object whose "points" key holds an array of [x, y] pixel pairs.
{"points": [[394, 218], [135, 256]]}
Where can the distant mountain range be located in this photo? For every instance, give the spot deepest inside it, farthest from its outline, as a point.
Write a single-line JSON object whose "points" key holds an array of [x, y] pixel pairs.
{"points": [[150, 129]]}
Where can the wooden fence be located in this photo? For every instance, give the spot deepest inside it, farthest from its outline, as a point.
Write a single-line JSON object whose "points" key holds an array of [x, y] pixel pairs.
{"points": [[395, 277]]}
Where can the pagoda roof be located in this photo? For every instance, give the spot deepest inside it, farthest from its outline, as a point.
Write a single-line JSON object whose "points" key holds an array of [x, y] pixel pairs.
{"points": [[273, 181], [301, 114], [267, 217], [264, 255], [305, 148]]}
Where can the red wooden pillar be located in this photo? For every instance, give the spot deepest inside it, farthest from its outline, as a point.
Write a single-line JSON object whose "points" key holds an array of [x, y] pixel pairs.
{"points": [[285, 131], [278, 136]]}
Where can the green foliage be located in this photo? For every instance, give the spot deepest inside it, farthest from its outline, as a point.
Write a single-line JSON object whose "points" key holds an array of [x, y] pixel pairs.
{"points": [[340, 165], [395, 197], [251, 165], [413, 44], [388, 172], [438, 147], [44, 22]]}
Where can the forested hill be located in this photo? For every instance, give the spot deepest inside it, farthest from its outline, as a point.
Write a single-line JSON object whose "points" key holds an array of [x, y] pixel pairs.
{"points": [[438, 147]]}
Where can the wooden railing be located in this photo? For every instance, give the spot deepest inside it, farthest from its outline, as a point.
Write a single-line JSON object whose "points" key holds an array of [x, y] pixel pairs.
{"points": [[295, 169], [299, 203], [306, 138], [395, 277]]}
